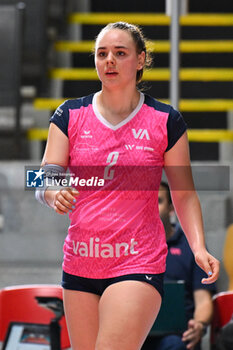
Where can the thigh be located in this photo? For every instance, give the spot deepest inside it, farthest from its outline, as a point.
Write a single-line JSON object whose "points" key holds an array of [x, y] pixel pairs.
{"points": [[81, 312], [127, 311]]}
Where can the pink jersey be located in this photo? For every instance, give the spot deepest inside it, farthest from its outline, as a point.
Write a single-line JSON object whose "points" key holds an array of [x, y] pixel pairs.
{"points": [[116, 229]]}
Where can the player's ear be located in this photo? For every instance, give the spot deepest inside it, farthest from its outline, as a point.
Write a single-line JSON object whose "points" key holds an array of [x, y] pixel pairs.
{"points": [[141, 60]]}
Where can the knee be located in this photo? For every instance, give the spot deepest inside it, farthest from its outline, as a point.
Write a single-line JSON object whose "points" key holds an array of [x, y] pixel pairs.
{"points": [[103, 345], [115, 344]]}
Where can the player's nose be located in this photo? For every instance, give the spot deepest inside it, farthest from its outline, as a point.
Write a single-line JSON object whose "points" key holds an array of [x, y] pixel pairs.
{"points": [[110, 58]]}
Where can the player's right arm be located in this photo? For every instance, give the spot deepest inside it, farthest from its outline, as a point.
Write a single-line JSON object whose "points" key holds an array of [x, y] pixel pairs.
{"points": [[57, 152], [57, 147]]}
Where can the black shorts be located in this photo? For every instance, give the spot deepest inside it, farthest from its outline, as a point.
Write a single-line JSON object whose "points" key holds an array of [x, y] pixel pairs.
{"points": [[98, 286]]}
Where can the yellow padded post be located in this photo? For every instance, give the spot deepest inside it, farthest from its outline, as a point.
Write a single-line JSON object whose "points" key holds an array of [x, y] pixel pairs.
{"points": [[228, 255]]}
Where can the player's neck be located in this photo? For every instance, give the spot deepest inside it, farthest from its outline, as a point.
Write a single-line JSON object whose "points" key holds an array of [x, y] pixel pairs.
{"points": [[115, 106]]}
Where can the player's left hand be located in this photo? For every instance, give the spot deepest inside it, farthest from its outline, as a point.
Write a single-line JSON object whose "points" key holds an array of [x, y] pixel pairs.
{"points": [[209, 264], [193, 334]]}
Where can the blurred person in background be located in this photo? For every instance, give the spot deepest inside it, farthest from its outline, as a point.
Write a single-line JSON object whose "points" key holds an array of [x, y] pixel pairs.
{"points": [[181, 265]]}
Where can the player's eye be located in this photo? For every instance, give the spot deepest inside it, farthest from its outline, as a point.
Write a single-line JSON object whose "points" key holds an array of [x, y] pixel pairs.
{"points": [[120, 53], [102, 54]]}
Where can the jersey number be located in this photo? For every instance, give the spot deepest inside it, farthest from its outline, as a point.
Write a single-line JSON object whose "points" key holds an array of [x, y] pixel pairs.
{"points": [[111, 160]]}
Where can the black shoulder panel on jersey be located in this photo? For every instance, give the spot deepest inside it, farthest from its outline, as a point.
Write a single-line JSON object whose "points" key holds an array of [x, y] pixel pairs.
{"points": [[159, 106], [61, 115], [80, 102], [176, 125]]}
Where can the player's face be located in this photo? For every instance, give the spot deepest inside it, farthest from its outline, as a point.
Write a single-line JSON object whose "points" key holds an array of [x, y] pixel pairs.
{"points": [[116, 58]]}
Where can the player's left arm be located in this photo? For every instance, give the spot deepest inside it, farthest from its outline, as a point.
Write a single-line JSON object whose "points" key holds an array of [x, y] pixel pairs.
{"points": [[187, 205], [202, 317]]}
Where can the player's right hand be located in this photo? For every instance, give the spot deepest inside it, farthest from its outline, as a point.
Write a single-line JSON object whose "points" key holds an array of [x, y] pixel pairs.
{"points": [[65, 200]]}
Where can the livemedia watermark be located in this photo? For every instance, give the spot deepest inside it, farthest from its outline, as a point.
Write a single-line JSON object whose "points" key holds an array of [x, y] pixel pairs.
{"points": [[130, 178]]}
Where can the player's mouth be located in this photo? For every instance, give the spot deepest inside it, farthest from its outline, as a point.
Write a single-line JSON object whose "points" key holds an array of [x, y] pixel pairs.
{"points": [[111, 73]]}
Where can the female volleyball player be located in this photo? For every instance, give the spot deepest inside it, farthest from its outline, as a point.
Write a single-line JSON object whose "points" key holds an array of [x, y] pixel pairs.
{"points": [[115, 250]]}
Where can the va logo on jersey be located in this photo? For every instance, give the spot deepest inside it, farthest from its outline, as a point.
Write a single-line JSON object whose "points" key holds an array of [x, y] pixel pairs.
{"points": [[130, 147], [140, 134]]}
